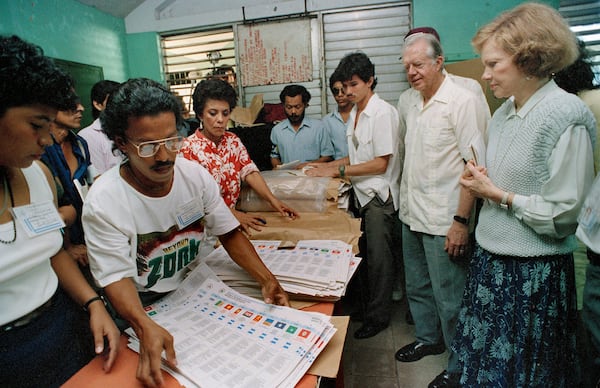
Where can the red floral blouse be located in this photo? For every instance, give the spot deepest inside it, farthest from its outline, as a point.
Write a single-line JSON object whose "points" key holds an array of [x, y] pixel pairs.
{"points": [[228, 162]]}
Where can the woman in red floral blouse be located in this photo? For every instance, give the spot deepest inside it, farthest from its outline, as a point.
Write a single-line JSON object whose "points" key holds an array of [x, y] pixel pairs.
{"points": [[223, 154]]}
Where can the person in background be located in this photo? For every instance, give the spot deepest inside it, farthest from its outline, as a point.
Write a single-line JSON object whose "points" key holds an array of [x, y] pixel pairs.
{"points": [[299, 138], [68, 158], [223, 154], [517, 323], [156, 201], [336, 121], [101, 148], [443, 125], [578, 78], [373, 166], [42, 340]]}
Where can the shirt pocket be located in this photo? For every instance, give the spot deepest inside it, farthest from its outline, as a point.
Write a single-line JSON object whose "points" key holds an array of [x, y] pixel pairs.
{"points": [[439, 136]]}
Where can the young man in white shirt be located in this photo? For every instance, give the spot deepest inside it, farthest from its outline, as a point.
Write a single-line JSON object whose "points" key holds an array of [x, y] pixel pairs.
{"points": [[373, 166]]}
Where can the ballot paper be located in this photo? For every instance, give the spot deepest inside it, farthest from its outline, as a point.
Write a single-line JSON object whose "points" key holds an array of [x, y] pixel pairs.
{"points": [[310, 269], [225, 339]]}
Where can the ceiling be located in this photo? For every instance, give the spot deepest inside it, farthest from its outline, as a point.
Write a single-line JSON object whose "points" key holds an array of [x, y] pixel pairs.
{"points": [[117, 8]]}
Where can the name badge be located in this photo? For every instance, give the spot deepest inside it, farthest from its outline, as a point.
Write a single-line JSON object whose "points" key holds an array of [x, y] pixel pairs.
{"points": [[189, 212], [38, 218]]}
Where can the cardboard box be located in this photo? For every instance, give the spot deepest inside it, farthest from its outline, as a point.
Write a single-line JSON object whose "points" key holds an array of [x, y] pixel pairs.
{"points": [[245, 117], [473, 68]]}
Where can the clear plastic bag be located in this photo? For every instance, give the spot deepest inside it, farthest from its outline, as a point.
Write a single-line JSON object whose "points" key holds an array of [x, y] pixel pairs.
{"points": [[303, 193]]}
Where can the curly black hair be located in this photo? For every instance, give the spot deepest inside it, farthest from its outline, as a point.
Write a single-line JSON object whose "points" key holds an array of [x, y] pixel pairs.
{"points": [[28, 77], [136, 98], [579, 75], [213, 89], [293, 91]]}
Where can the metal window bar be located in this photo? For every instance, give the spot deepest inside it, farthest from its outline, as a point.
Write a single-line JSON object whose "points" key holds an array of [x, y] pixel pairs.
{"points": [[584, 18], [191, 57]]}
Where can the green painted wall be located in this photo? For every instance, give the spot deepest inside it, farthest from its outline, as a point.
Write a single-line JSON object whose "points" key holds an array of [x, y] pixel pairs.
{"points": [[458, 20], [71, 31], [144, 55]]}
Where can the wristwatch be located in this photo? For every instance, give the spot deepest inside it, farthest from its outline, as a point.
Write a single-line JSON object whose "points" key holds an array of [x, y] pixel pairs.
{"points": [[462, 220]]}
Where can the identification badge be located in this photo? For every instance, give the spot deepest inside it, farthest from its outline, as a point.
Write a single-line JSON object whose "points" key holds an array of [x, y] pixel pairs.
{"points": [[38, 218], [189, 212]]}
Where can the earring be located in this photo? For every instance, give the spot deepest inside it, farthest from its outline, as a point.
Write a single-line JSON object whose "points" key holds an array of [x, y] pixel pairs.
{"points": [[528, 78]]}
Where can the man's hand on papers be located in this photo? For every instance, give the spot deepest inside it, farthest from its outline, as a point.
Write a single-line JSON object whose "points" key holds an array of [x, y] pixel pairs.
{"points": [[273, 293], [153, 340]]}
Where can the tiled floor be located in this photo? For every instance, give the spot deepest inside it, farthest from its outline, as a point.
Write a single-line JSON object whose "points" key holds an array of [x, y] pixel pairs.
{"points": [[370, 363]]}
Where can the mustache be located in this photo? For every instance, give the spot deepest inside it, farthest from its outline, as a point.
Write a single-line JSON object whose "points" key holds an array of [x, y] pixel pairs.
{"points": [[161, 165]]}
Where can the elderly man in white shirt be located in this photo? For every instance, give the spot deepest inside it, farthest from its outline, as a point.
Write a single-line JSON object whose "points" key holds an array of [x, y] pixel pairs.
{"points": [[443, 125]]}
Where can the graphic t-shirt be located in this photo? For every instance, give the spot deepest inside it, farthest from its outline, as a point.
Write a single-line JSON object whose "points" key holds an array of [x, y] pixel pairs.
{"points": [[152, 240]]}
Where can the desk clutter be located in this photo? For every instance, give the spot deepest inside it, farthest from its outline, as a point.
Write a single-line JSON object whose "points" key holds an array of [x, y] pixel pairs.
{"points": [[225, 339], [316, 270]]}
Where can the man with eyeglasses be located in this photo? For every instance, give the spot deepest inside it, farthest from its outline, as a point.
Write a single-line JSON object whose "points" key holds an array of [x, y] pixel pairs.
{"points": [[336, 121], [145, 219]]}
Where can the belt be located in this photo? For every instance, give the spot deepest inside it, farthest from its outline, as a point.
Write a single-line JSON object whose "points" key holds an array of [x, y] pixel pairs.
{"points": [[593, 257], [27, 318]]}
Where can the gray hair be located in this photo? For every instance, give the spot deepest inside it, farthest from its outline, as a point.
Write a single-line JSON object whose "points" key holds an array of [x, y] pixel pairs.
{"points": [[434, 48]]}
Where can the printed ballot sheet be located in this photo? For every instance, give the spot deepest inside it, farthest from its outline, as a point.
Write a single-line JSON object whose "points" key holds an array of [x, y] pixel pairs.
{"points": [[310, 269], [226, 339]]}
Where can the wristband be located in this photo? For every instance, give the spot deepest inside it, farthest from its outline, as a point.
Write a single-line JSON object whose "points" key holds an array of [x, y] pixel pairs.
{"points": [[342, 170], [504, 201], [462, 220], [87, 304]]}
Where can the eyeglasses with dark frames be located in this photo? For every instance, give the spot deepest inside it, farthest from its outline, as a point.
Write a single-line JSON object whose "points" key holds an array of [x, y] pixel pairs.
{"points": [[147, 149], [337, 91]]}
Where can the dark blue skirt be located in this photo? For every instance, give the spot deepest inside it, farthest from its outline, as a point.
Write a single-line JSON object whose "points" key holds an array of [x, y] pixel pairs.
{"points": [[49, 350], [517, 322]]}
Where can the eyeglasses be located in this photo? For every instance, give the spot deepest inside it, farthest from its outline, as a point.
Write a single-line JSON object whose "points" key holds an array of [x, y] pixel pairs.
{"points": [[150, 148], [337, 91]]}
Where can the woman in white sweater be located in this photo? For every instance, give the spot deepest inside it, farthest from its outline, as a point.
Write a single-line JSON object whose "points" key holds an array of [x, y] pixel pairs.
{"points": [[516, 324]]}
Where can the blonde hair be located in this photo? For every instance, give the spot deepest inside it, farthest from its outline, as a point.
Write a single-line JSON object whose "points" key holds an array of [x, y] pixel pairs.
{"points": [[536, 35]]}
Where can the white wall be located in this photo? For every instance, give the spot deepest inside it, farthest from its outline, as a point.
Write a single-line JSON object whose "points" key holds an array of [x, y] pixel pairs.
{"points": [[174, 15]]}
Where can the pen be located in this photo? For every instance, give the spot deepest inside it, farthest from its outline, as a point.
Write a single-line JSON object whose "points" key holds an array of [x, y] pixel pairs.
{"points": [[474, 155]]}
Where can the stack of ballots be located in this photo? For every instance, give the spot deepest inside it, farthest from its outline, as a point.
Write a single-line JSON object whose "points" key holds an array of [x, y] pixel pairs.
{"points": [[226, 339], [308, 270]]}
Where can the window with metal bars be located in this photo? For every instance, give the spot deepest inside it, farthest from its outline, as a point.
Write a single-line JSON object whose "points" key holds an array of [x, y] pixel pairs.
{"points": [[584, 18], [192, 57]]}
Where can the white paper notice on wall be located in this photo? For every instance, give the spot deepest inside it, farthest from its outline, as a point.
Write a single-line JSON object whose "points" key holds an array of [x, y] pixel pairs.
{"points": [[275, 52]]}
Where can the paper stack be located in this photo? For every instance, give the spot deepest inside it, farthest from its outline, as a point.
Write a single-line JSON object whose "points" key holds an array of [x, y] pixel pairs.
{"points": [[225, 339], [310, 269]]}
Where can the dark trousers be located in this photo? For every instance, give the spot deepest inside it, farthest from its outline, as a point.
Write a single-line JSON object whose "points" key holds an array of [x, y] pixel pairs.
{"points": [[380, 254], [48, 350]]}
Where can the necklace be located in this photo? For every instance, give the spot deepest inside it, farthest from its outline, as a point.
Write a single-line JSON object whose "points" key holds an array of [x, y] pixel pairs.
{"points": [[8, 190]]}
